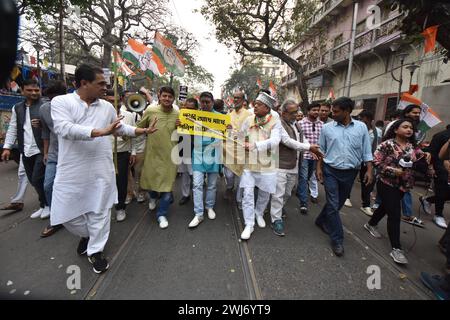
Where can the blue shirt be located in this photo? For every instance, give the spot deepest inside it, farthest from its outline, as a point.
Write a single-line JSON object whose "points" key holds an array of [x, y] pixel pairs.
{"points": [[345, 147], [206, 154]]}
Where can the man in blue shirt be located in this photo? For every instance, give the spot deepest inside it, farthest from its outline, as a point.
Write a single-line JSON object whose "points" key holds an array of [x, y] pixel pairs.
{"points": [[346, 144]]}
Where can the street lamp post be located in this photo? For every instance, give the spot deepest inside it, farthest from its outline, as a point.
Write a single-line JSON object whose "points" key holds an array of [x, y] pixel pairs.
{"points": [[38, 48], [402, 57], [412, 68]]}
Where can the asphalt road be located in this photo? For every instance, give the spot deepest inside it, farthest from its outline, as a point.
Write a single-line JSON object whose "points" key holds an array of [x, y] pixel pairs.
{"points": [[211, 262]]}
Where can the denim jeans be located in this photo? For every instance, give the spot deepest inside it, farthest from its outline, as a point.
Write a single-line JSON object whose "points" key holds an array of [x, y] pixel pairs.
{"points": [[50, 173], [199, 178], [307, 168], [164, 202], [338, 185], [407, 205]]}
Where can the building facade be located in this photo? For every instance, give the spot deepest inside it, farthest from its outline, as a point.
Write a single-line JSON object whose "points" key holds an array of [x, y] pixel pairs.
{"points": [[377, 63]]}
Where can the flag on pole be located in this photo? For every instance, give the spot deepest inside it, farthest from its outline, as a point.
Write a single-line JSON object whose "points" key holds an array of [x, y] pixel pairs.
{"points": [[430, 34], [272, 89], [166, 52], [258, 83], [142, 58], [428, 118], [121, 66], [413, 88]]}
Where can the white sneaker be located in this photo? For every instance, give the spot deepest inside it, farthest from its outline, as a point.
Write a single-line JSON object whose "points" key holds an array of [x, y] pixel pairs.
{"points": [[37, 214], [440, 222], [128, 200], [140, 198], [348, 203], [163, 223], [152, 204], [120, 215], [245, 235], [367, 210], [260, 221], [45, 213], [211, 214], [196, 221]]}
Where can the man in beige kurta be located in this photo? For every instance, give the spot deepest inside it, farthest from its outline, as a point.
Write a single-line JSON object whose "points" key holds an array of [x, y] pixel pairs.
{"points": [[159, 170]]}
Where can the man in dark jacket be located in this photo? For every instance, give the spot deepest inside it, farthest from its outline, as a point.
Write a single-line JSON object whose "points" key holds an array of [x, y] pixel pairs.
{"points": [[25, 126]]}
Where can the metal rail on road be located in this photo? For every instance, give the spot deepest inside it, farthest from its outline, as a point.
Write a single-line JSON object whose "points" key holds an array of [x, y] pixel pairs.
{"points": [[251, 283]]}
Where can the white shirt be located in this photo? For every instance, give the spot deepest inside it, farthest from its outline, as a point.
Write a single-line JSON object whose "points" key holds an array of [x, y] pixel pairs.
{"points": [[126, 144], [85, 177], [30, 147]]}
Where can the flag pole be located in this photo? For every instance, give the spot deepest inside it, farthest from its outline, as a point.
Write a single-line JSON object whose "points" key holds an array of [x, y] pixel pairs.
{"points": [[116, 107]]}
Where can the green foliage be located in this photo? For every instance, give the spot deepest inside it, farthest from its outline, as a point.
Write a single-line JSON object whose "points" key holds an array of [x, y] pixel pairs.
{"points": [[245, 79], [422, 14]]}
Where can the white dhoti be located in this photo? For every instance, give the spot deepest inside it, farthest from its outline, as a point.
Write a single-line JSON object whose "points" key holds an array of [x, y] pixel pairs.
{"points": [[95, 226], [285, 183], [266, 183]]}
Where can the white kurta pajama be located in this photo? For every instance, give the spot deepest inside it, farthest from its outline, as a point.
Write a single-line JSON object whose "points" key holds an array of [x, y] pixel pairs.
{"points": [[84, 190], [286, 178], [265, 181]]}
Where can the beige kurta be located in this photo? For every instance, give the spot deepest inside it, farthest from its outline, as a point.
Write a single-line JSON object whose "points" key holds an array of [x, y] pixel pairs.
{"points": [[159, 171]]}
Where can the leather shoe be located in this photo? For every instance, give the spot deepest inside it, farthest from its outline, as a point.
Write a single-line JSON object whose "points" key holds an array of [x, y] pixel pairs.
{"points": [[183, 200], [13, 206], [338, 250]]}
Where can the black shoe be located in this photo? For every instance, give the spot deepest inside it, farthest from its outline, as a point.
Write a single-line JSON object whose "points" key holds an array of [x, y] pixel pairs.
{"points": [[82, 246], [283, 213], [338, 250], [303, 209], [184, 200], [314, 200], [323, 228], [99, 263]]}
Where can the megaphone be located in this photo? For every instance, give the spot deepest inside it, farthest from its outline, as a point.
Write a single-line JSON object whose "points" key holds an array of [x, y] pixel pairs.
{"points": [[136, 102]]}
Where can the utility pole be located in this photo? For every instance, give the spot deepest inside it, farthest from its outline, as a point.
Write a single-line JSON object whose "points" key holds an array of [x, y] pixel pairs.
{"points": [[352, 50], [62, 56]]}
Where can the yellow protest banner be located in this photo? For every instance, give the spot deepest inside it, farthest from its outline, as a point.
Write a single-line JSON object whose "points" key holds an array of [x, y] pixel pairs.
{"points": [[203, 123]]}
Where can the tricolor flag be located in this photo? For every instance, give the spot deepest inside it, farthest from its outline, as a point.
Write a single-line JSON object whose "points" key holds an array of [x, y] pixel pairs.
{"points": [[428, 118], [166, 52], [121, 66], [258, 83], [143, 59], [430, 34], [272, 89]]}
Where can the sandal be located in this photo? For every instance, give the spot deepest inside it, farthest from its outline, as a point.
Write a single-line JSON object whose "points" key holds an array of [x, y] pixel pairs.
{"points": [[49, 230], [414, 221]]}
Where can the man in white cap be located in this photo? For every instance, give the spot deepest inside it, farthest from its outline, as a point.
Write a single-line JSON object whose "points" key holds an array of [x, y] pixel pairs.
{"points": [[262, 132]]}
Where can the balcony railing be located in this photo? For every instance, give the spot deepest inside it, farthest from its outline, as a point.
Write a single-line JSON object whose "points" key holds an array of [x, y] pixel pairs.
{"points": [[324, 10], [363, 42]]}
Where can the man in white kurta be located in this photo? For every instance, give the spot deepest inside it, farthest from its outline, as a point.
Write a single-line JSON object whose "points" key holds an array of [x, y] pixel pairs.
{"points": [[262, 132], [84, 189]]}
